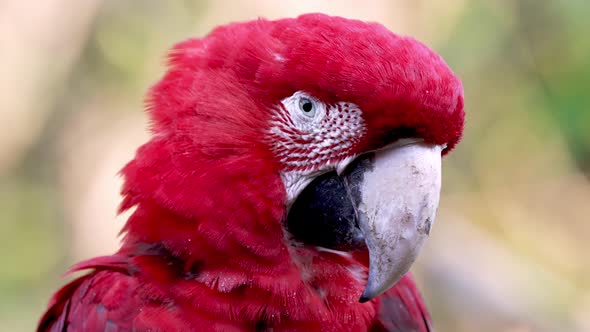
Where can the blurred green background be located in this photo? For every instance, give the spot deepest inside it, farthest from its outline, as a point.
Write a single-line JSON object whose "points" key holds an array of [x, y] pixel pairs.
{"points": [[511, 245]]}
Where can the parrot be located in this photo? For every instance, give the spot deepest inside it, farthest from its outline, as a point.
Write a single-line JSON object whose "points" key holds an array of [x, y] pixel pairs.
{"points": [[290, 180]]}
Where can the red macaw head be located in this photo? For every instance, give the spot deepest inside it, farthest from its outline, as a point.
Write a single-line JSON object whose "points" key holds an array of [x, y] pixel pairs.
{"points": [[317, 131]]}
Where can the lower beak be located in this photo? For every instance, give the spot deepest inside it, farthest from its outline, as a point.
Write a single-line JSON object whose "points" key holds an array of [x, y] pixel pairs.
{"points": [[395, 192]]}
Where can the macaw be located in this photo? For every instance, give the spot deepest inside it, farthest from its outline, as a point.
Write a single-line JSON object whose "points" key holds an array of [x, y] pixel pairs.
{"points": [[291, 179]]}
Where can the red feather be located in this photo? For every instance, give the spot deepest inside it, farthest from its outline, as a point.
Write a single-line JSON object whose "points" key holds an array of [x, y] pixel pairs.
{"points": [[205, 248], [152, 292]]}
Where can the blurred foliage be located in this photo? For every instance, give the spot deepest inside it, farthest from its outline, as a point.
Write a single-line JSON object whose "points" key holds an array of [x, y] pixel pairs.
{"points": [[528, 54], [513, 192]]}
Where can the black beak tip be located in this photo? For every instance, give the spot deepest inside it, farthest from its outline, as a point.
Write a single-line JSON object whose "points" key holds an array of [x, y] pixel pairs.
{"points": [[364, 299]]}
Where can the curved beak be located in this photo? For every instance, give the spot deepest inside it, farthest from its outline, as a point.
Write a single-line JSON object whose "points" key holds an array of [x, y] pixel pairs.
{"points": [[396, 193]]}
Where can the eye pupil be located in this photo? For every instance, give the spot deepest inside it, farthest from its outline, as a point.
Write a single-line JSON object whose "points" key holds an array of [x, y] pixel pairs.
{"points": [[307, 106]]}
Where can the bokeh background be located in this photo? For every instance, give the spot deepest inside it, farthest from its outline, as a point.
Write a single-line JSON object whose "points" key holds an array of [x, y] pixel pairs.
{"points": [[510, 248]]}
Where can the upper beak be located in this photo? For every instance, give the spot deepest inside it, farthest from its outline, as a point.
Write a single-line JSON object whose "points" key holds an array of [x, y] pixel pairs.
{"points": [[395, 192]]}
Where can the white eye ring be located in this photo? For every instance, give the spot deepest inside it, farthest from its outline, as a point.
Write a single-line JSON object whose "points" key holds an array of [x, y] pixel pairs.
{"points": [[307, 107]]}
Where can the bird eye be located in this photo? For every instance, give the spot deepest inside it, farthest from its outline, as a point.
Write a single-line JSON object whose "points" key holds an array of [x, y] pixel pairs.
{"points": [[307, 106]]}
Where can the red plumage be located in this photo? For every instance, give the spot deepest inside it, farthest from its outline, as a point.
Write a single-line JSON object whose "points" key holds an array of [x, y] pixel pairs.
{"points": [[205, 247]]}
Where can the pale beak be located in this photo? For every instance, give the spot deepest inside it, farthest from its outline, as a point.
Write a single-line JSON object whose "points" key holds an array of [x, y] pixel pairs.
{"points": [[396, 193]]}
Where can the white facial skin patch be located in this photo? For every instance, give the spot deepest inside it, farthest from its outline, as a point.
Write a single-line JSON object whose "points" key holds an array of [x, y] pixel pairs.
{"points": [[311, 137]]}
